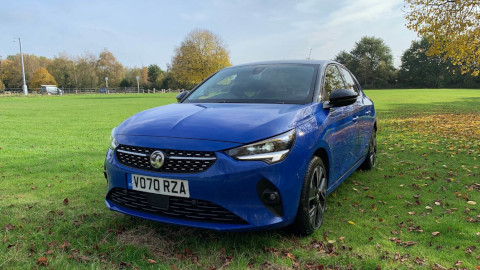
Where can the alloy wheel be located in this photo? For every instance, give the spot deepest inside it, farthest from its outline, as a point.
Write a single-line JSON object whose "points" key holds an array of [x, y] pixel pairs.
{"points": [[317, 196]]}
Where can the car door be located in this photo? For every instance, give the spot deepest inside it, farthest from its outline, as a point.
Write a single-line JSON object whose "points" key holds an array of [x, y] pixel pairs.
{"points": [[360, 113], [341, 133]]}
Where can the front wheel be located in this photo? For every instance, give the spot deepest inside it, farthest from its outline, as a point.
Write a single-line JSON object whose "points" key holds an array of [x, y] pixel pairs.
{"points": [[311, 208]]}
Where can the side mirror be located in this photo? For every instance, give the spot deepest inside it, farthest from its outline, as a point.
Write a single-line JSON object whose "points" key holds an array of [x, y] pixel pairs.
{"points": [[182, 95], [342, 97]]}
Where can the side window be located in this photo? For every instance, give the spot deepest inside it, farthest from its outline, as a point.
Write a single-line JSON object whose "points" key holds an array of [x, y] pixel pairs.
{"points": [[333, 80], [349, 82]]}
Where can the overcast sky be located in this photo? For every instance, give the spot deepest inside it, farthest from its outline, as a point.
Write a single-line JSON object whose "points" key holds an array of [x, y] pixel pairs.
{"points": [[147, 32]]}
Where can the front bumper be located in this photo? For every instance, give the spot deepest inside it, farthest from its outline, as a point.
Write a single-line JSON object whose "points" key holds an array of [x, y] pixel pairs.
{"points": [[228, 183]]}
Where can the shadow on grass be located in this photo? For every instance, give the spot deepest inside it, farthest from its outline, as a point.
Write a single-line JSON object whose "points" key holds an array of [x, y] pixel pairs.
{"points": [[167, 241]]}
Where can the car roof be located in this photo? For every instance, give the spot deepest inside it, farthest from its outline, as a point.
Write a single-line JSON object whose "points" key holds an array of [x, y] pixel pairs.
{"points": [[309, 62]]}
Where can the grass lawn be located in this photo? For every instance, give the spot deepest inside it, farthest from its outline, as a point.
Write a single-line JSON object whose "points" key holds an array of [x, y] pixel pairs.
{"points": [[419, 208]]}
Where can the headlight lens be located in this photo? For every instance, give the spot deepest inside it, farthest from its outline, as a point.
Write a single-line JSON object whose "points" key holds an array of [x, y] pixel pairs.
{"points": [[270, 150], [113, 142]]}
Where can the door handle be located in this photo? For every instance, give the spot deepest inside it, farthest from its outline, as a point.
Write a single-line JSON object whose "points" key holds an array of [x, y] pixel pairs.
{"points": [[355, 119], [367, 112]]}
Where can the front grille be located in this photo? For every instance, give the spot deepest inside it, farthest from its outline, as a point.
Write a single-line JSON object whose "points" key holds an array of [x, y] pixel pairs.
{"points": [[176, 161], [180, 208]]}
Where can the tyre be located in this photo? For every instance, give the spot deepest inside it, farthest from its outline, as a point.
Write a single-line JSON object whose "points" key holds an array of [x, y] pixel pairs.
{"points": [[371, 158], [311, 208]]}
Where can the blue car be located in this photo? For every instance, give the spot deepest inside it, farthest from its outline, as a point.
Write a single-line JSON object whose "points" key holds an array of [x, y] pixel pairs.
{"points": [[254, 146]]}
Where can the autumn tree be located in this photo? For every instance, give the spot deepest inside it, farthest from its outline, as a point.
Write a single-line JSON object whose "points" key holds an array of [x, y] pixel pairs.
{"points": [[32, 63], [200, 54], [156, 76], [7, 69], [452, 27], [41, 77], [86, 71], [63, 69], [371, 61], [130, 78], [421, 70], [2, 85], [108, 66], [144, 77]]}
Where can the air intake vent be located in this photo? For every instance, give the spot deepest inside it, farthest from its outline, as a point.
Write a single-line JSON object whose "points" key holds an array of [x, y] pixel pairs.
{"points": [[180, 208]]}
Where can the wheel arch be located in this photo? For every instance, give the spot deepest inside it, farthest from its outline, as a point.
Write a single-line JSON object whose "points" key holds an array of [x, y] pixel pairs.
{"points": [[323, 154]]}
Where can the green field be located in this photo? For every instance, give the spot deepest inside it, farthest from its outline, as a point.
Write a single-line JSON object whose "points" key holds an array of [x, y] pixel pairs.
{"points": [[419, 208]]}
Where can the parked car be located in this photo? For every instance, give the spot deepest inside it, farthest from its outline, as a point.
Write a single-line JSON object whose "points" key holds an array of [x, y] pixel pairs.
{"points": [[254, 146]]}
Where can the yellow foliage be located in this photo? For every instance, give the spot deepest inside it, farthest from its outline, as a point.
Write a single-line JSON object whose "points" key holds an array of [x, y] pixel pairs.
{"points": [[40, 77], [452, 27], [200, 54], [108, 66], [458, 127]]}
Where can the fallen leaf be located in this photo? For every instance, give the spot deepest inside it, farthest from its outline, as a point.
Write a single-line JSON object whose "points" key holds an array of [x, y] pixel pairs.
{"points": [[49, 252], [9, 226], [42, 261], [125, 265], [151, 261], [65, 245], [471, 202], [409, 243], [435, 233], [419, 261], [351, 222], [470, 249], [65, 201], [439, 266]]}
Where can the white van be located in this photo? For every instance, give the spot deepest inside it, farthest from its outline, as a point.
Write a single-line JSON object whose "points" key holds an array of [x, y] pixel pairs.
{"points": [[51, 90]]}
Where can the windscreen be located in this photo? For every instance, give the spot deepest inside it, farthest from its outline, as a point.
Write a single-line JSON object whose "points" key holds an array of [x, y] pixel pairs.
{"points": [[278, 83]]}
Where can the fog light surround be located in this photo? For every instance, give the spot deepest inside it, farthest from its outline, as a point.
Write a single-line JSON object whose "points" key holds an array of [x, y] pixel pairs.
{"points": [[270, 197]]}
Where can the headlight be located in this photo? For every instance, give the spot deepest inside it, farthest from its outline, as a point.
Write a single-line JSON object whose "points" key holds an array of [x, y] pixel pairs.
{"points": [[271, 150], [113, 142]]}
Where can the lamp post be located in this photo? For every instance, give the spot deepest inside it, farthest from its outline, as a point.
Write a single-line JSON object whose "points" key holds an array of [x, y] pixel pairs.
{"points": [[138, 84], [106, 85], [25, 88]]}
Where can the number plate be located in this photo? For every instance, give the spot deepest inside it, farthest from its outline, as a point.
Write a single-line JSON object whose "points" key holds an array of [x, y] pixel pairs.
{"points": [[156, 185]]}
